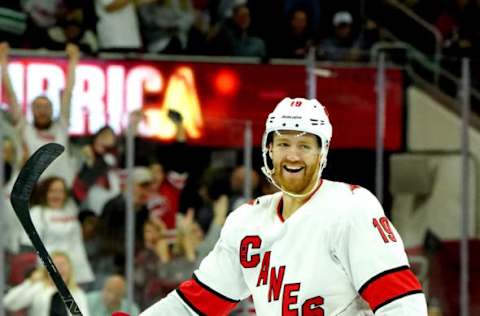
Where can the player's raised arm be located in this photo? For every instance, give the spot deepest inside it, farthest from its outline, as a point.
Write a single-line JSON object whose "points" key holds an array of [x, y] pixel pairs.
{"points": [[15, 108], [73, 58], [370, 249], [216, 286]]}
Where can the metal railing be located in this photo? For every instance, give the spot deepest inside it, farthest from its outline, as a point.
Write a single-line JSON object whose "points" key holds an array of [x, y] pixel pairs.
{"points": [[425, 25], [419, 59], [421, 22]]}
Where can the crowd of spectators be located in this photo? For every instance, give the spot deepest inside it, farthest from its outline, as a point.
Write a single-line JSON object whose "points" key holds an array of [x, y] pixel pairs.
{"points": [[267, 29], [453, 32], [457, 22], [79, 209], [341, 31]]}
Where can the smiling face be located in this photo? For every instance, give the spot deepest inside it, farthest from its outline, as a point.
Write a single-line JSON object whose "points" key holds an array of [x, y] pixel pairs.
{"points": [[296, 161], [56, 194], [42, 112]]}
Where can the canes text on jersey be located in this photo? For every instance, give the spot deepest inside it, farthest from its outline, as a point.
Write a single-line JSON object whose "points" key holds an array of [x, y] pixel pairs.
{"points": [[273, 277]]}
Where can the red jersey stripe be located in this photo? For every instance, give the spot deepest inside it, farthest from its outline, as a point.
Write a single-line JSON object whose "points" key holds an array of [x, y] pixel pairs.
{"points": [[389, 286], [280, 210], [204, 300]]}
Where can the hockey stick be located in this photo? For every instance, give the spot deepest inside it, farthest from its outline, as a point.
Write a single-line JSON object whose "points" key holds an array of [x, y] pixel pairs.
{"points": [[20, 198]]}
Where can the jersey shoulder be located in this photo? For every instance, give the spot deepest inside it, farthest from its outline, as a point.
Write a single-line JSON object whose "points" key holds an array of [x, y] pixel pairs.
{"points": [[352, 200], [248, 219], [253, 213]]}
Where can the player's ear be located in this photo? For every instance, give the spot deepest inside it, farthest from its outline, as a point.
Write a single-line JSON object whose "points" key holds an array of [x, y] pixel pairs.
{"points": [[270, 151]]}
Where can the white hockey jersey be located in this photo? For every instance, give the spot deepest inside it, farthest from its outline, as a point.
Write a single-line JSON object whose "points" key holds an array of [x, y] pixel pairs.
{"points": [[336, 255]]}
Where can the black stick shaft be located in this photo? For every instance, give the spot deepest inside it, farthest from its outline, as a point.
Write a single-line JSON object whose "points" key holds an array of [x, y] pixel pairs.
{"points": [[20, 198]]}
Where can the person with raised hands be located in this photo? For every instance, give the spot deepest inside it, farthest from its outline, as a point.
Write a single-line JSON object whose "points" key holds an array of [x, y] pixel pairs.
{"points": [[44, 128]]}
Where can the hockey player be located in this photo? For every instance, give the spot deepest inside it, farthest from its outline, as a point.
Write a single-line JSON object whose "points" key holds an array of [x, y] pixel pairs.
{"points": [[315, 248]]}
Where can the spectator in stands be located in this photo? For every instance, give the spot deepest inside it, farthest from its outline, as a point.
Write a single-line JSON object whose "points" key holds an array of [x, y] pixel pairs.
{"points": [[75, 25], [233, 38], [237, 182], [343, 46], [221, 10], [55, 218], [117, 26], [313, 7], [13, 158], [93, 246], [112, 221], [165, 24], [156, 251], [458, 24], [44, 128], [42, 15], [98, 180], [12, 147], [217, 182], [164, 201], [110, 298], [161, 268], [156, 241], [214, 183], [296, 39], [197, 36], [194, 242], [169, 177], [201, 242], [39, 296], [89, 222], [87, 10], [8, 155], [245, 44]]}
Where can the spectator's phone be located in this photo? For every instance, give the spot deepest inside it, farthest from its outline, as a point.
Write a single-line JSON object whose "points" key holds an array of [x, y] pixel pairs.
{"points": [[175, 116]]}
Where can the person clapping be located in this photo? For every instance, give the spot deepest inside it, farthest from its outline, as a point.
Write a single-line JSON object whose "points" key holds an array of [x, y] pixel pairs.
{"points": [[38, 294]]}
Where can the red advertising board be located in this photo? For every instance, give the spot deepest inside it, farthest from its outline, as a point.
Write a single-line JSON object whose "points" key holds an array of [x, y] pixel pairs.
{"points": [[216, 100]]}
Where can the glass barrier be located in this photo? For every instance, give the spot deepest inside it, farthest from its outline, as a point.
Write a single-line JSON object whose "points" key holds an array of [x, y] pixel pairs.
{"points": [[198, 132]]}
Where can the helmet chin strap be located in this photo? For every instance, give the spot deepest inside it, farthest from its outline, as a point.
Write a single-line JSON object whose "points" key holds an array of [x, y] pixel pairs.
{"points": [[269, 174]]}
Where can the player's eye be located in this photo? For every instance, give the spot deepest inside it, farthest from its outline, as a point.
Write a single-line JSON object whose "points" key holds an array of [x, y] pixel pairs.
{"points": [[305, 146]]}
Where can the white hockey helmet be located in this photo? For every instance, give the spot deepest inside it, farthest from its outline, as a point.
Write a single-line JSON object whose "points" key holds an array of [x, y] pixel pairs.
{"points": [[302, 115]]}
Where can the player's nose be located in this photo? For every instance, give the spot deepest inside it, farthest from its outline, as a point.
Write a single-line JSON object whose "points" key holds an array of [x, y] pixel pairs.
{"points": [[292, 154]]}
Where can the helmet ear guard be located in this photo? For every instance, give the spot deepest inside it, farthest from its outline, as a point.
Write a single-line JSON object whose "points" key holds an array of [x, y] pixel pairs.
{"points": [[267, 168]]}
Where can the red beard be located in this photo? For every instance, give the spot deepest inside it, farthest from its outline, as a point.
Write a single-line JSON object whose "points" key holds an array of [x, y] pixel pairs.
{"points": [[296, 183]]}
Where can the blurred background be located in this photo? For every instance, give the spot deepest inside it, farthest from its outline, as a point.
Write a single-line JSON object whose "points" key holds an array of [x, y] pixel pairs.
{"points": [[161, 105]]}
